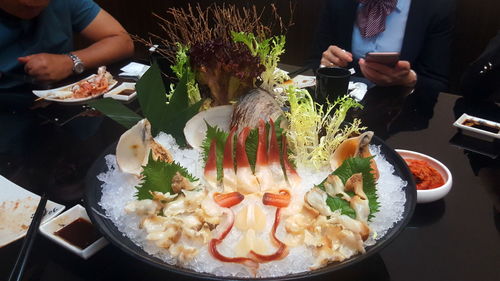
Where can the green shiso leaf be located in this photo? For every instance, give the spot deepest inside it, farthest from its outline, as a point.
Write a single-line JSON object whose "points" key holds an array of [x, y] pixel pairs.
{"points": [[116, 111], [152, 97], [353, 166], [169, 116], [250, 147], [220, 137], [157, 176], [336, 203]]}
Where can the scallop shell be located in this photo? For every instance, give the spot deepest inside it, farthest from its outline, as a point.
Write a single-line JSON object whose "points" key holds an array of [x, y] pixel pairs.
{"points": [[354, 147], [196, 128], [133, 148]]}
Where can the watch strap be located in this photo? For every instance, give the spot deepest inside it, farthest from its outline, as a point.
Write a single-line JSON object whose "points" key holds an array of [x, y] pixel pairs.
{"points": [[76, 61]]}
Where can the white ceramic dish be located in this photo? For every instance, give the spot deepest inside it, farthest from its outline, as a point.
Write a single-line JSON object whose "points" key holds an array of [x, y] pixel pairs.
{"points": [[477, 132], [17, 206], [430, 195], [64, 219], [53, 94], [123, 86]]}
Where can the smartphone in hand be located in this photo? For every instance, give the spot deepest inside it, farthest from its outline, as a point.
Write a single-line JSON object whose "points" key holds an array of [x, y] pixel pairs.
{"points": [[386, 58]]}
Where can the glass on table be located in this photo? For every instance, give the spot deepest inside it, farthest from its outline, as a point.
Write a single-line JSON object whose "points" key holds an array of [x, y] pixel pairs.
{"points": [[331, 83]]}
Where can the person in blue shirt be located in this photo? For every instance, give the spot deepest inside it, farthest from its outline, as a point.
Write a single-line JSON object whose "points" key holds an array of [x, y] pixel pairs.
{"points": [[420, 30], [36, 39]]}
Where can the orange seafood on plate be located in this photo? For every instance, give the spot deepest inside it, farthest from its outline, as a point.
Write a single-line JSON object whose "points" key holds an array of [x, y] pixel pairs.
{"points": [[86, 89], [93, 86]]}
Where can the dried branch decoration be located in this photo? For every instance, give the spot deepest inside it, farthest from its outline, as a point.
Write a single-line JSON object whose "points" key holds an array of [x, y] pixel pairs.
{"points": [[195, 25]]}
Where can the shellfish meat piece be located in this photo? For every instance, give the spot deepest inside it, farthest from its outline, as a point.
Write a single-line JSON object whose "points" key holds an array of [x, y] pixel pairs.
{"points": [[334, 186], [354, 147], [196, 128], [355, 183], [255, 105], [133, 148], [316, 198], [361, 208]]}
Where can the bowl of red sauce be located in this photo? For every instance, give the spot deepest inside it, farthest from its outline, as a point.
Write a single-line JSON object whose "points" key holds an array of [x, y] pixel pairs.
{"points": [[432, 178]]}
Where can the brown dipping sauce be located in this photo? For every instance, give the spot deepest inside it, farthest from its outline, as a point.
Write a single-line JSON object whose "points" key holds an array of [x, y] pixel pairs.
{"points": [[481, 126], [80, 233], [126, 92]]}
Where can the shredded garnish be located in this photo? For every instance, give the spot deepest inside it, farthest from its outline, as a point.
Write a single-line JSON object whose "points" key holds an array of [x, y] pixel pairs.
{"points": [[269, 51], [316, 130], [182, 64]]}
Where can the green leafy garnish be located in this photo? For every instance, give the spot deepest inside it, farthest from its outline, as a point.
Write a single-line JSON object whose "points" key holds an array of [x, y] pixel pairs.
{"points": [[157, 176], [348, 168], [116, 111], [250, 147], [220, 137], [268, 50], [315, 130], [169, 116], [336, 203], [181, 66]]}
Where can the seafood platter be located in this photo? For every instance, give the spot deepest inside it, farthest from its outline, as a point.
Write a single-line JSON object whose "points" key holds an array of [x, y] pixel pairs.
{"points": [[225, 177], [86, 89]]}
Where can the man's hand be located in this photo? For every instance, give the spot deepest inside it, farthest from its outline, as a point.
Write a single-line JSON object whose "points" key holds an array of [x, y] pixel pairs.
{"points": [[335, 56], [401, 74], [47, 67]]}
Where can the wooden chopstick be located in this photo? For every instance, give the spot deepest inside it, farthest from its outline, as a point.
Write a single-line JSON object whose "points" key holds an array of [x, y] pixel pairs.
{"points": [[17, 272]]}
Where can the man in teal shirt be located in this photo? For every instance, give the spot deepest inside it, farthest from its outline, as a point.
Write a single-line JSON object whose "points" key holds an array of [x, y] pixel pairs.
{"points": [[36, 39]]}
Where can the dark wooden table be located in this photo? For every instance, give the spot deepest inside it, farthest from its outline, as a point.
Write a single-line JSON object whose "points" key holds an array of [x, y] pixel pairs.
{"points": [[456, 238]]}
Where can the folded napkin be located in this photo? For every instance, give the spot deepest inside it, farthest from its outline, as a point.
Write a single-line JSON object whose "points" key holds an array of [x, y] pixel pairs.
{"points": [[357, 90], [134, 69]]}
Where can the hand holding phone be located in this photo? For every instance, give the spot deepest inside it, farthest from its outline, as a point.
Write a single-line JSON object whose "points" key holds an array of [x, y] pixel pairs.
{"points": [[386, 58]]}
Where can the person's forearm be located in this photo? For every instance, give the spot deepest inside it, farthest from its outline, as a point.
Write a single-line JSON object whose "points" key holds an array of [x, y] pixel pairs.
{"points": [[106, 51]]}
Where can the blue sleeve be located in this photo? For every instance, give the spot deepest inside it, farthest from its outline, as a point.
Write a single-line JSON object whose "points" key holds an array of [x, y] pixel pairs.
{"points": [[83, 12]]}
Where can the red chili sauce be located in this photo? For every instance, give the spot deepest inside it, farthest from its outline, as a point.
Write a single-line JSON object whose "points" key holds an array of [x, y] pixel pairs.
{"points": [[425, 176]]}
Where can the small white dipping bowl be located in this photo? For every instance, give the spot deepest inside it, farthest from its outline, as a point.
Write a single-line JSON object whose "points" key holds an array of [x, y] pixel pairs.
{"points": [[57, 223], [430, 195]]}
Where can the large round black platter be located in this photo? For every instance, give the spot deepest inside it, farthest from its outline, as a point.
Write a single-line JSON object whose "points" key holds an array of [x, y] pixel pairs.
{"points": [[108, 229]]}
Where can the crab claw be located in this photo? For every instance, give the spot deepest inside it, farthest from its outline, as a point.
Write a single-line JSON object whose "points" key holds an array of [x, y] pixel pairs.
{"points": [[229, 179], [280, 200], [292, 176], [211, 165], [262, 172], [246, 181], [274, 160], [227, 200]]}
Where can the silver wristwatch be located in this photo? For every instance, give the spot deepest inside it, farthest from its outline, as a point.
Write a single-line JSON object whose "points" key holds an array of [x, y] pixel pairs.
{"points": [[78, 66]]}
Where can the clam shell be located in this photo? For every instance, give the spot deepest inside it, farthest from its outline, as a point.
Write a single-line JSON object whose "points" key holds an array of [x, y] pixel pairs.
{"points": [[196, 128], [133, 148], [255, 105], [354, 147]]}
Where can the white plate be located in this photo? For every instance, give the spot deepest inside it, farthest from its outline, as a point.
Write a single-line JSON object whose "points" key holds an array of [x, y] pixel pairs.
{"points": [[51, 95], [459, 124], [17, 206], [63, 220], [430, 195], [123, 86], [304, 81]]}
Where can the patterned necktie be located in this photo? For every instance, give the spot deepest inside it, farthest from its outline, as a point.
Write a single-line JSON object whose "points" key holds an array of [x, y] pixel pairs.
{"points": [[371, 18]]}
